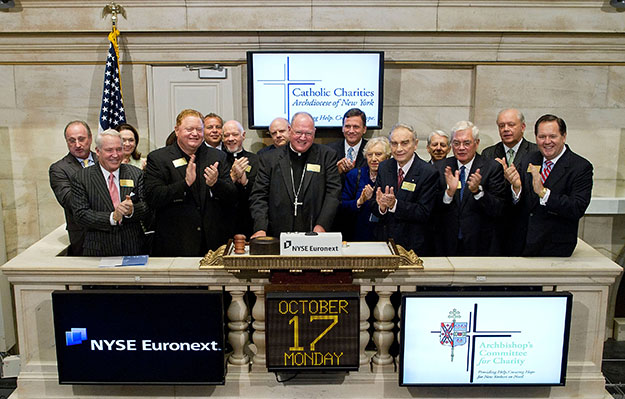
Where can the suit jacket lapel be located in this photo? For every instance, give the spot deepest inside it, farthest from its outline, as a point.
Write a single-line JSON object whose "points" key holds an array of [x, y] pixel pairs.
{"points": [[500, 151], [313, 158], [124, 174], [559, 170], [175, 154], [410, 177]]}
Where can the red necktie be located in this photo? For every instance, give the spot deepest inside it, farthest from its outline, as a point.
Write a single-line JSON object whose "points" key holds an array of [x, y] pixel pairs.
{"points": [[546, 170], [400, 177], [113, 191]]}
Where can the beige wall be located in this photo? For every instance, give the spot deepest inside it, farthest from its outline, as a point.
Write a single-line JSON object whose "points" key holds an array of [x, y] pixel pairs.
{"points": [[445, 61]]}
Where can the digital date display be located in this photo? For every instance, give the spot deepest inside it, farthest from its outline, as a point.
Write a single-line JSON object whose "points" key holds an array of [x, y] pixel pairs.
{"points": [[312, 330]]}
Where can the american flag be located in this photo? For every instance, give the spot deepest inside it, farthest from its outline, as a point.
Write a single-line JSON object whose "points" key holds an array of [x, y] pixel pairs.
{"points": [[112, 111]]}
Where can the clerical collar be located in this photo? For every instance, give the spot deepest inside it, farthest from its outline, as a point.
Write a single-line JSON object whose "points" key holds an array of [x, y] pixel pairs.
{"points": [[235, 154], [299, 154]]}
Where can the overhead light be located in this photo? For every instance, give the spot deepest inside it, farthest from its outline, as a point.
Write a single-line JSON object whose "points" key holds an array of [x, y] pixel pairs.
{"points": [[619, 4], [7, 3]]}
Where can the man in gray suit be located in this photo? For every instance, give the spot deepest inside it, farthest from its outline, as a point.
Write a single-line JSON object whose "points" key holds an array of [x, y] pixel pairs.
{"points": [[107, 200], [511, 150], [78, 138]]}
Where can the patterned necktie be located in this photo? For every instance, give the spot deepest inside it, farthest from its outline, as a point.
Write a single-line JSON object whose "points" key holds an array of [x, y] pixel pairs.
{"points": [[510, 156], [463, 178], [350, 154], [85, 162], [400, 178], [113, 190], [546, 170]]}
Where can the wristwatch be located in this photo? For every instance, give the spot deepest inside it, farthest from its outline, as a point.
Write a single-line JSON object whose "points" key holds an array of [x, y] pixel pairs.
{"points": [[542, 192]]}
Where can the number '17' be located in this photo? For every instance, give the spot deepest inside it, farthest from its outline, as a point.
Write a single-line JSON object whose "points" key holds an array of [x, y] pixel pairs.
{"points": [[295, 321]]}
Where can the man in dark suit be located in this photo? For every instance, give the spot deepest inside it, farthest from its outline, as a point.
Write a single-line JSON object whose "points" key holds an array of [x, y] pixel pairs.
{"points": [[213, 131], [243, 169], [510, 150], [472, 199], [188, 185], [405, 191], [280, 131], [107, 200], [297, 187], [78, 138], [350, 154], [349, 150], [513, 146], [438, 145], [552, 187]]}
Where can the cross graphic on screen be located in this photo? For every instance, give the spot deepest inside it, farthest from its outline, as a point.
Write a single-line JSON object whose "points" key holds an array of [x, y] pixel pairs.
{"points": [[286, 82]]}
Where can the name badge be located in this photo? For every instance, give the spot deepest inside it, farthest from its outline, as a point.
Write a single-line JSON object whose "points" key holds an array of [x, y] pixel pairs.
{"points": [[459, 185], [126, 183], [313, 167], [179, 162], [408, 186], [248, 169], [535, 167]]}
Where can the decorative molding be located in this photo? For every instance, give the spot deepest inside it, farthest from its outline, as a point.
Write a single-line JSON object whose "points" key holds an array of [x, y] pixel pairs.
{"points": [[206, 47]]}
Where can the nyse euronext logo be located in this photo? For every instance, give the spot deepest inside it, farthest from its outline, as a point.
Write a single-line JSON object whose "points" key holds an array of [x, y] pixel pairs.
{"points": [[75, 336], [79, 335]]}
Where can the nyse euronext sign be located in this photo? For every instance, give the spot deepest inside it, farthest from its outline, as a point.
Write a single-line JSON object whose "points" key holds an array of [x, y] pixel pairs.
{"points": [[78, 335]]}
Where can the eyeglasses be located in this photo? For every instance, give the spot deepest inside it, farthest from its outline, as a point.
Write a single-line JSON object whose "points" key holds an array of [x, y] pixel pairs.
{"points": [[299, 134], [458, 144], [73, 141]]}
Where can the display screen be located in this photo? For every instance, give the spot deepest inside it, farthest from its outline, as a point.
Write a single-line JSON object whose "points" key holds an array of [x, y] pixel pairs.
{"points": [[324, 84], [484, 339], [139, 336], [312, 331]]}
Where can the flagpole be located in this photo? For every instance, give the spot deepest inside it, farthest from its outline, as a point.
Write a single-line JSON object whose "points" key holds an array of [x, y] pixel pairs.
{"points": [[112, 112]]}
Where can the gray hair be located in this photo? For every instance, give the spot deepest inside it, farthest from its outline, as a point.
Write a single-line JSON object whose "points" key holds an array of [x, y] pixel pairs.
{"points": [[238, 125], [403, 126], [519, 114], [378, 141], [464, 125], [438, 133], [107, 132]]}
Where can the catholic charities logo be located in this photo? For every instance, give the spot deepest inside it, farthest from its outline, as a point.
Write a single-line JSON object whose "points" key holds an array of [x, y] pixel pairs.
{"points": [[75, 336]]}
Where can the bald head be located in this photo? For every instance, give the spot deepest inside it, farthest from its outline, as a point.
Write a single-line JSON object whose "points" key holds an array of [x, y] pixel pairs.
{"points": [[233, 135], [280, 131]]}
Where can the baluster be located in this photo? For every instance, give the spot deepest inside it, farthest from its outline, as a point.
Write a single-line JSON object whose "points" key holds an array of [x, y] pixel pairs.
{"points": [[364, 328], [259, 363], [401, 288], [238, 336], [383, 334]]}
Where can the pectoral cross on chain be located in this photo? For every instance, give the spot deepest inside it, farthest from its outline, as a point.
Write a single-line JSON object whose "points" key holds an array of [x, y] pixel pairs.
{"points": [[295, 205]]}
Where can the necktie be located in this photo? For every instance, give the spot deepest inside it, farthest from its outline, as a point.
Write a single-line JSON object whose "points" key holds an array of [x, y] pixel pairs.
{"points": [[113, 190], [546, 170], [85, 162], [350, 154], [510, 156], [400, 178], [463, 178]]}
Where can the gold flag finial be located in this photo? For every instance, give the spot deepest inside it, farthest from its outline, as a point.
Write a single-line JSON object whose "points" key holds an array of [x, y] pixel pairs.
{"points": [[114, 9]]}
